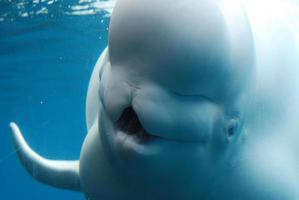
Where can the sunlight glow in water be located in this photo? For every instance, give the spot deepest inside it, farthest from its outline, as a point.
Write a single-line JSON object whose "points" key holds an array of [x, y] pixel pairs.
{"points": [[28, 9]]}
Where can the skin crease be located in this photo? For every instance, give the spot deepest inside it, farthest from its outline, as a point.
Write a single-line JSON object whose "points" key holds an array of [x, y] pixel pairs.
{"points": [[204, 84]]}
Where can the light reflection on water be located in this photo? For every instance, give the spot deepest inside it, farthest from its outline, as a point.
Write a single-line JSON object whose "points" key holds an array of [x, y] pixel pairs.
{"points": [[11, 10]]}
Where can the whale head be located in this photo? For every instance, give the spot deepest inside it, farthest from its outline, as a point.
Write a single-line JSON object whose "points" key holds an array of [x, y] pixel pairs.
{"points": [[175, 91]]}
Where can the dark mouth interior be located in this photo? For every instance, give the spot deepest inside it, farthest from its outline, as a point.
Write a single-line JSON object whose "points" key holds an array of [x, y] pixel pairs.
{"points": [[129, 123]]}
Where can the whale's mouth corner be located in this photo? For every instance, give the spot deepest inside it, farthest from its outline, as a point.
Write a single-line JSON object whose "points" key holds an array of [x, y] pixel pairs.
{"points": [[129, 124]]}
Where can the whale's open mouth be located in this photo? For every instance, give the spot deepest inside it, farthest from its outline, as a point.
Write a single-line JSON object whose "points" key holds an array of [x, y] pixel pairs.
{"points": [[129, 124]]}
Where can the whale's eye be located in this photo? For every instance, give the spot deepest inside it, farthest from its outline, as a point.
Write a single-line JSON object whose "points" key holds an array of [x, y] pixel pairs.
{"points": [[232, 128], [129, 123]]}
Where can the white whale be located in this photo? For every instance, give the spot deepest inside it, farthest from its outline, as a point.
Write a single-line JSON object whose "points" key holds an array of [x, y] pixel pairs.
{"points": [[197, 105]]}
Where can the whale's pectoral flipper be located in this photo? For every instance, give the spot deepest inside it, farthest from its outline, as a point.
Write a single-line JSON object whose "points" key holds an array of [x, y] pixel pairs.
{"points": [[61, 174]]}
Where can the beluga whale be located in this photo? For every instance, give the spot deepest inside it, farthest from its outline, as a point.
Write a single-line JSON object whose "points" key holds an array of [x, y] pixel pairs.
{"points": [[191, 99]]}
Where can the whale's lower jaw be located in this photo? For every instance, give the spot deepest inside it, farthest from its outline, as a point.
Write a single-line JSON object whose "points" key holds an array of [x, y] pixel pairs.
{"points": [[61, 174]]}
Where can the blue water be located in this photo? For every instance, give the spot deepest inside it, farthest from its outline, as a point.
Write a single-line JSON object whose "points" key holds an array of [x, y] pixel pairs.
{"points": [[47, 53]]}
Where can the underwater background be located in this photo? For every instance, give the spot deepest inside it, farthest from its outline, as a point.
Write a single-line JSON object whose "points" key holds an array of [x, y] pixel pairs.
{"points": [[48, 49]]}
